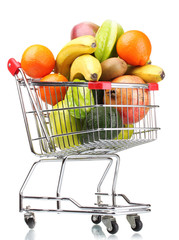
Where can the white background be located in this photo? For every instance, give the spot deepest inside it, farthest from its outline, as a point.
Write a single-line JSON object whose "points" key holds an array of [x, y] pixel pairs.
{"points": [[148, 173]]}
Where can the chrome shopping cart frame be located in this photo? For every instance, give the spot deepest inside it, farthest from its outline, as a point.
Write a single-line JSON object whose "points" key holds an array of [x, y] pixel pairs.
{"points": [[98, 145]]}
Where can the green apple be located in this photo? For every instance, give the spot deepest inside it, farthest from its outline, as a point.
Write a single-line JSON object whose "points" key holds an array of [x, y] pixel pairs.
{"points": [[61, 123], [78, 97], [126, 134]]}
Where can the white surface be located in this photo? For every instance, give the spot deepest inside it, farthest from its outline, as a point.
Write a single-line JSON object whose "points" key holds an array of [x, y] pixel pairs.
{"points": [[148, 173]]}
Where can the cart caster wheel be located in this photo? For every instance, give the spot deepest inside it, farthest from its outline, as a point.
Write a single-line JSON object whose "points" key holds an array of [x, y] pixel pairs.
{"points": [[96, 219], [135, 222], [30, 220], [138, 226], [114, 228]]}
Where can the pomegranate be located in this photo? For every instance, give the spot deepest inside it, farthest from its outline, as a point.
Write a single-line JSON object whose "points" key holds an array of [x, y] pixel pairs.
{"points": [[129, 96]]}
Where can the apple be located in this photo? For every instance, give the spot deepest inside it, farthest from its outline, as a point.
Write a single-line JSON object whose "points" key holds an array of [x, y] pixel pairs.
{"points": [[62, 123], [129, 96], [84, 28]]}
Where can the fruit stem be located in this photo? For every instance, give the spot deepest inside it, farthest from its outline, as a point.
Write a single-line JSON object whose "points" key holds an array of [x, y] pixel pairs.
{"points": [[93, 45], [162, 75], [94, 76]]}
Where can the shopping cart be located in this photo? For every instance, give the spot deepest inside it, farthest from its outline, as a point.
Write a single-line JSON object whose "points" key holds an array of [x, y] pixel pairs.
{"points": [[95, 121]]}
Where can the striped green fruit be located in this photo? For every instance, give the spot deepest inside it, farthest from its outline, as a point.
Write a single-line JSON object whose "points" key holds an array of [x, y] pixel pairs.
{"points": [[79, 97], [106, 38]]}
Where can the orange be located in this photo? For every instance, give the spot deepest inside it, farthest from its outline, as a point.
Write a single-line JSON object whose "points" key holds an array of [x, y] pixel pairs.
{"points": [[37, 61], [51, 94], [134, 47]]}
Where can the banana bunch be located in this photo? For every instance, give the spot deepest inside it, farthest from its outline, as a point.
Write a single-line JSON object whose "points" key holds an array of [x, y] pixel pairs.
{"points": [[75, 59]]}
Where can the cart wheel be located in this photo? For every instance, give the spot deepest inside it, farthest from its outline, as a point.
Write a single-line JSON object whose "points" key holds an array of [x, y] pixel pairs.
{"points": [[96, 219], [138, 226], [114, 228], [30, 220]]}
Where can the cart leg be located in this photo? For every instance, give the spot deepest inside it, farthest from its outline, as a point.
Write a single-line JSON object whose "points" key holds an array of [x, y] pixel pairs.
{"points": [[59, 186], [25, 183], [116, 172], [102, 180]]}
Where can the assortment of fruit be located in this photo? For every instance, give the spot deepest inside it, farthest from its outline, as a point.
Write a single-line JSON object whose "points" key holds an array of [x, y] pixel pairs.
{"points": [[94, 53]]}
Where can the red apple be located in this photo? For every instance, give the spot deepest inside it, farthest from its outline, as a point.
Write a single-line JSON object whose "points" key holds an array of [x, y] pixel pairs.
{"points": [[129, 96], [84, 28]]}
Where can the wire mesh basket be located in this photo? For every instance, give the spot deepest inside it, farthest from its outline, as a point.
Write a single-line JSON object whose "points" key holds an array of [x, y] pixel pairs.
{"points": [[93, 116]]}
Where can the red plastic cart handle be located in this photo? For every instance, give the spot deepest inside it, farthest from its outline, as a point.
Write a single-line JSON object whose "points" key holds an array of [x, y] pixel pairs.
{"points": [[107, 86], [153, 86], [13, 66], [99, 85]]}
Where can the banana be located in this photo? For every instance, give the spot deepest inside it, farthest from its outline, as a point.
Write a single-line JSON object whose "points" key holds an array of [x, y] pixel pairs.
{"points": [[149, 73], [86, 67], [76, 47]]}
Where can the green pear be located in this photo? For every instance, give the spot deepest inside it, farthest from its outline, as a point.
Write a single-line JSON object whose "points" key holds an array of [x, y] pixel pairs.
{"points": [[126, 134], [62, 122]]}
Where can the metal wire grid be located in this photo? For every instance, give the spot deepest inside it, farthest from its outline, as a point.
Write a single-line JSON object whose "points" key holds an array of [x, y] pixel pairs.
{"points": [[44, 141]]}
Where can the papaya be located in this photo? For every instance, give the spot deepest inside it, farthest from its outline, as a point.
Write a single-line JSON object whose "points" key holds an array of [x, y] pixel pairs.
{"points": [[98, 119]]}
